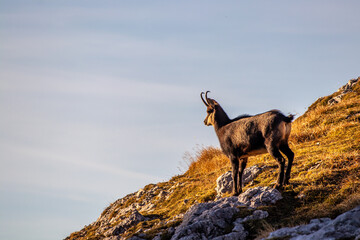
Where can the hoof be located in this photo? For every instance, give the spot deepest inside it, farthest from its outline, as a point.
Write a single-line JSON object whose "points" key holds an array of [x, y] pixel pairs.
{"points": [[286, 181], [235, 194]]}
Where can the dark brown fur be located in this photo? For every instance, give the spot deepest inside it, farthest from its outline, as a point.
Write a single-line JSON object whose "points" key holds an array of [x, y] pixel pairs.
{"points": [[247, 136]]}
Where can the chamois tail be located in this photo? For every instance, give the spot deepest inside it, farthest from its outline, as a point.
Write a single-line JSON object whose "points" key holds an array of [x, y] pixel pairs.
{"points": [[289, 118]]}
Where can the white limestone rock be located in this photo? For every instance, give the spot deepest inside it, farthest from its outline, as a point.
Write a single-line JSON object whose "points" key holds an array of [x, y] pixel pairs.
{"points": [[344, 226], [259, 196], [224, 183]]}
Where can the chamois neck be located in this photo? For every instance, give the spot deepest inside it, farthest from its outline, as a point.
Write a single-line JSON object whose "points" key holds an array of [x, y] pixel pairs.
{"points": [[221, 118]]}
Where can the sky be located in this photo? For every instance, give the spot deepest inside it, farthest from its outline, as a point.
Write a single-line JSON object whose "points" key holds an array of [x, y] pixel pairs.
{"points": [[100, 98]]}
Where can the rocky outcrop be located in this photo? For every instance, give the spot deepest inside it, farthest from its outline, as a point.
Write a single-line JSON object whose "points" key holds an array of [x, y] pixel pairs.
{"points": [[348, 87], [224, 183], [134, 218], [120, 216], [215, 220], [219, 219], [208, 220], [259, 196], [343, 90], [345, 226]]}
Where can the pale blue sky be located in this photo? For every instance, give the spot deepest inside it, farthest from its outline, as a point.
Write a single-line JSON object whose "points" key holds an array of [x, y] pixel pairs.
{"points": [[99, 98]]}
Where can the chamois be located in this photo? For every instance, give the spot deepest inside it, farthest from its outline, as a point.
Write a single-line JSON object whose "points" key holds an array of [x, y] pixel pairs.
{"points": [[247, 136]]}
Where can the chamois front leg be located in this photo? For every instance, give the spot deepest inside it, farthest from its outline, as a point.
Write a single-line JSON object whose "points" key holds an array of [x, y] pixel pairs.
{"points": [[243, 162], [235, 175]]}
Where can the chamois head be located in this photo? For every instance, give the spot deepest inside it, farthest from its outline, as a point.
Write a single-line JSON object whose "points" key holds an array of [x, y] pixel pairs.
{"points": [[211, 106]]}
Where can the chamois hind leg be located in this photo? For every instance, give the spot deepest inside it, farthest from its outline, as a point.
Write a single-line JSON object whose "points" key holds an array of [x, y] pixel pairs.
{"points": [[235, 175], [243, 162], [275, 153], [290, 156]]}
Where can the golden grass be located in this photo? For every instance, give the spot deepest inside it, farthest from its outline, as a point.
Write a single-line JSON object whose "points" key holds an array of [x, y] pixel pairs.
{"points": [[207, 160]]}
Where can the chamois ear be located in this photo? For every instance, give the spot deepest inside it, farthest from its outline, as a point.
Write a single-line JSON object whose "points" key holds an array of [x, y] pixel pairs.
{"points": [[208, 101], [212, 102]]}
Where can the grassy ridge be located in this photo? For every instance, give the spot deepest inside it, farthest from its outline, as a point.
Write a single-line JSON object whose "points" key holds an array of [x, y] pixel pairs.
{"points": [[325, 179]]}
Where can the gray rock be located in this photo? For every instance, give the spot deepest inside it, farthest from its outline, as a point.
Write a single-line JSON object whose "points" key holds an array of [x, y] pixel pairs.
{"points": [[343, 90], [257, 215], [148, 207], [140, 193], [212, 220], [171, 231], [238, 227], [157, 237], [233, 236], [336, 99], [224, 183], [347, 87], [134, 218], [259, 196], [162, 194], [209, 220], [106, 218], [344, 226]]}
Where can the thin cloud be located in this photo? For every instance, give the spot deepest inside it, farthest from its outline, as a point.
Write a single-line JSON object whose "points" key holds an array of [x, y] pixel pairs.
{"points": [[39, 168], [74, 83], [44, 156]]}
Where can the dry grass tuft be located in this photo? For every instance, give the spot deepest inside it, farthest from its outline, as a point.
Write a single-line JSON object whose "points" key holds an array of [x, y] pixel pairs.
{"points": [[207, 160]]}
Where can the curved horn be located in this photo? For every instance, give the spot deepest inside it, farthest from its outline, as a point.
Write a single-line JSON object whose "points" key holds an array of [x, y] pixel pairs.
{"points": [[201, 95], [207, 100]]}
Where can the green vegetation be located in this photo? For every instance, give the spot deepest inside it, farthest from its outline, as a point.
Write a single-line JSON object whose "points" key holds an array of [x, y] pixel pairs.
{"points": [[325, 179]]}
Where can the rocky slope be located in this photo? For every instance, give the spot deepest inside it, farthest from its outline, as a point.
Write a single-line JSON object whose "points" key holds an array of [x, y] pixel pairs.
{"points": [[345, 226], [324, 194]]}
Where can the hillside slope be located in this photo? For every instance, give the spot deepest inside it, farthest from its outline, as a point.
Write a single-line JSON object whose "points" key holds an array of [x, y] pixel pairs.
{"points": [[325, 179]]}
